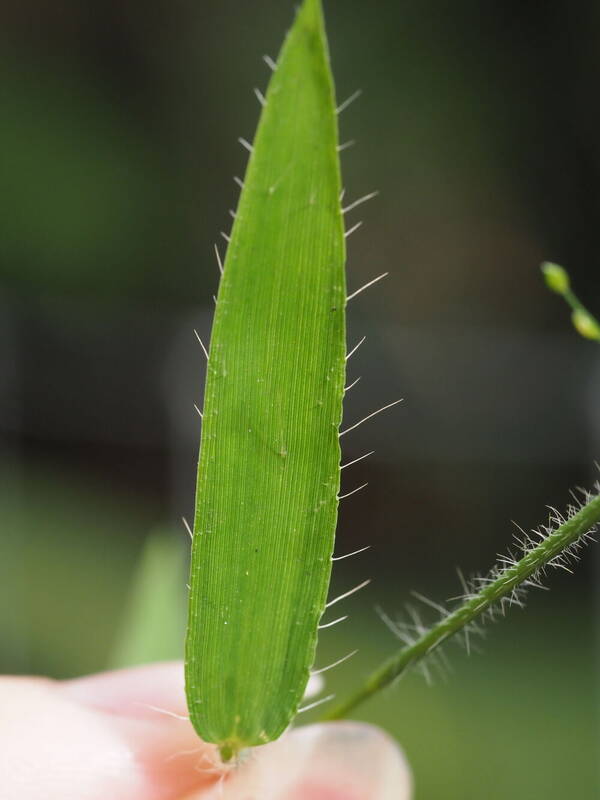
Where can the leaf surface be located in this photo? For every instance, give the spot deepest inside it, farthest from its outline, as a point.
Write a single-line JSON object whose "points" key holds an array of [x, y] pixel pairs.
{"points": [[268, 476]]}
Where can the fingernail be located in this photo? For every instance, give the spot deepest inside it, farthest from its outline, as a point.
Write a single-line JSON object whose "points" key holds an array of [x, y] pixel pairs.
{"points": [[352, 761], [315, 686], [334, 761]]}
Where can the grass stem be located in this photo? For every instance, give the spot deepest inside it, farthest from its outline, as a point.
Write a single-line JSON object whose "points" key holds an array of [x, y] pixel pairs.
{"points": [[504, 586]]}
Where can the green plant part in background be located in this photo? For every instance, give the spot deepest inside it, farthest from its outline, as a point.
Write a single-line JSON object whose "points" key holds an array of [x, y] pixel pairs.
{"points": [[151, 627], [268, 476], [552, 545], [557, 280]]}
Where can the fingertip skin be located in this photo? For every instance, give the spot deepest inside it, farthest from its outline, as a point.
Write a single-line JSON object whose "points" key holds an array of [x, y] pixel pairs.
{"points": [[333, 761], [98, 739]]}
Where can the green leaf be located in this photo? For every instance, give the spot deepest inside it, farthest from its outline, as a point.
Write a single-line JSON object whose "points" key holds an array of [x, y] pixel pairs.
{"points": [[268, 476]]}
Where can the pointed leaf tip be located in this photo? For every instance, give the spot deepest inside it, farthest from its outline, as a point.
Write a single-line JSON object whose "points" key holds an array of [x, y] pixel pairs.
{"points": [[312, 12], [312, 5]]}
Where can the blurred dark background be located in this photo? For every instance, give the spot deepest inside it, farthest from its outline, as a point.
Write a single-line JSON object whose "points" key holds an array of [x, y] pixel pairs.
{"points": [[479, 126]]}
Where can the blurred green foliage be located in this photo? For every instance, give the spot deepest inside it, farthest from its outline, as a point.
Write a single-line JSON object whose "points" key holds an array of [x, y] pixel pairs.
{"points": [[63, 590], [152, 624]]}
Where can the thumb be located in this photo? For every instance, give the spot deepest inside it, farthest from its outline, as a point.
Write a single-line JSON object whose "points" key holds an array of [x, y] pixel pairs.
{"points": [[333, 761]]}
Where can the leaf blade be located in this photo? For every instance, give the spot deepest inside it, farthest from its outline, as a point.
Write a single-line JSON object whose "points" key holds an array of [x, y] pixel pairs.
{"points": [[268, 475]]}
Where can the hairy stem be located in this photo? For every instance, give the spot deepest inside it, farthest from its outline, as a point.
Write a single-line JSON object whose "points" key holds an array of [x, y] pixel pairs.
{"points": [[501, 586]]}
